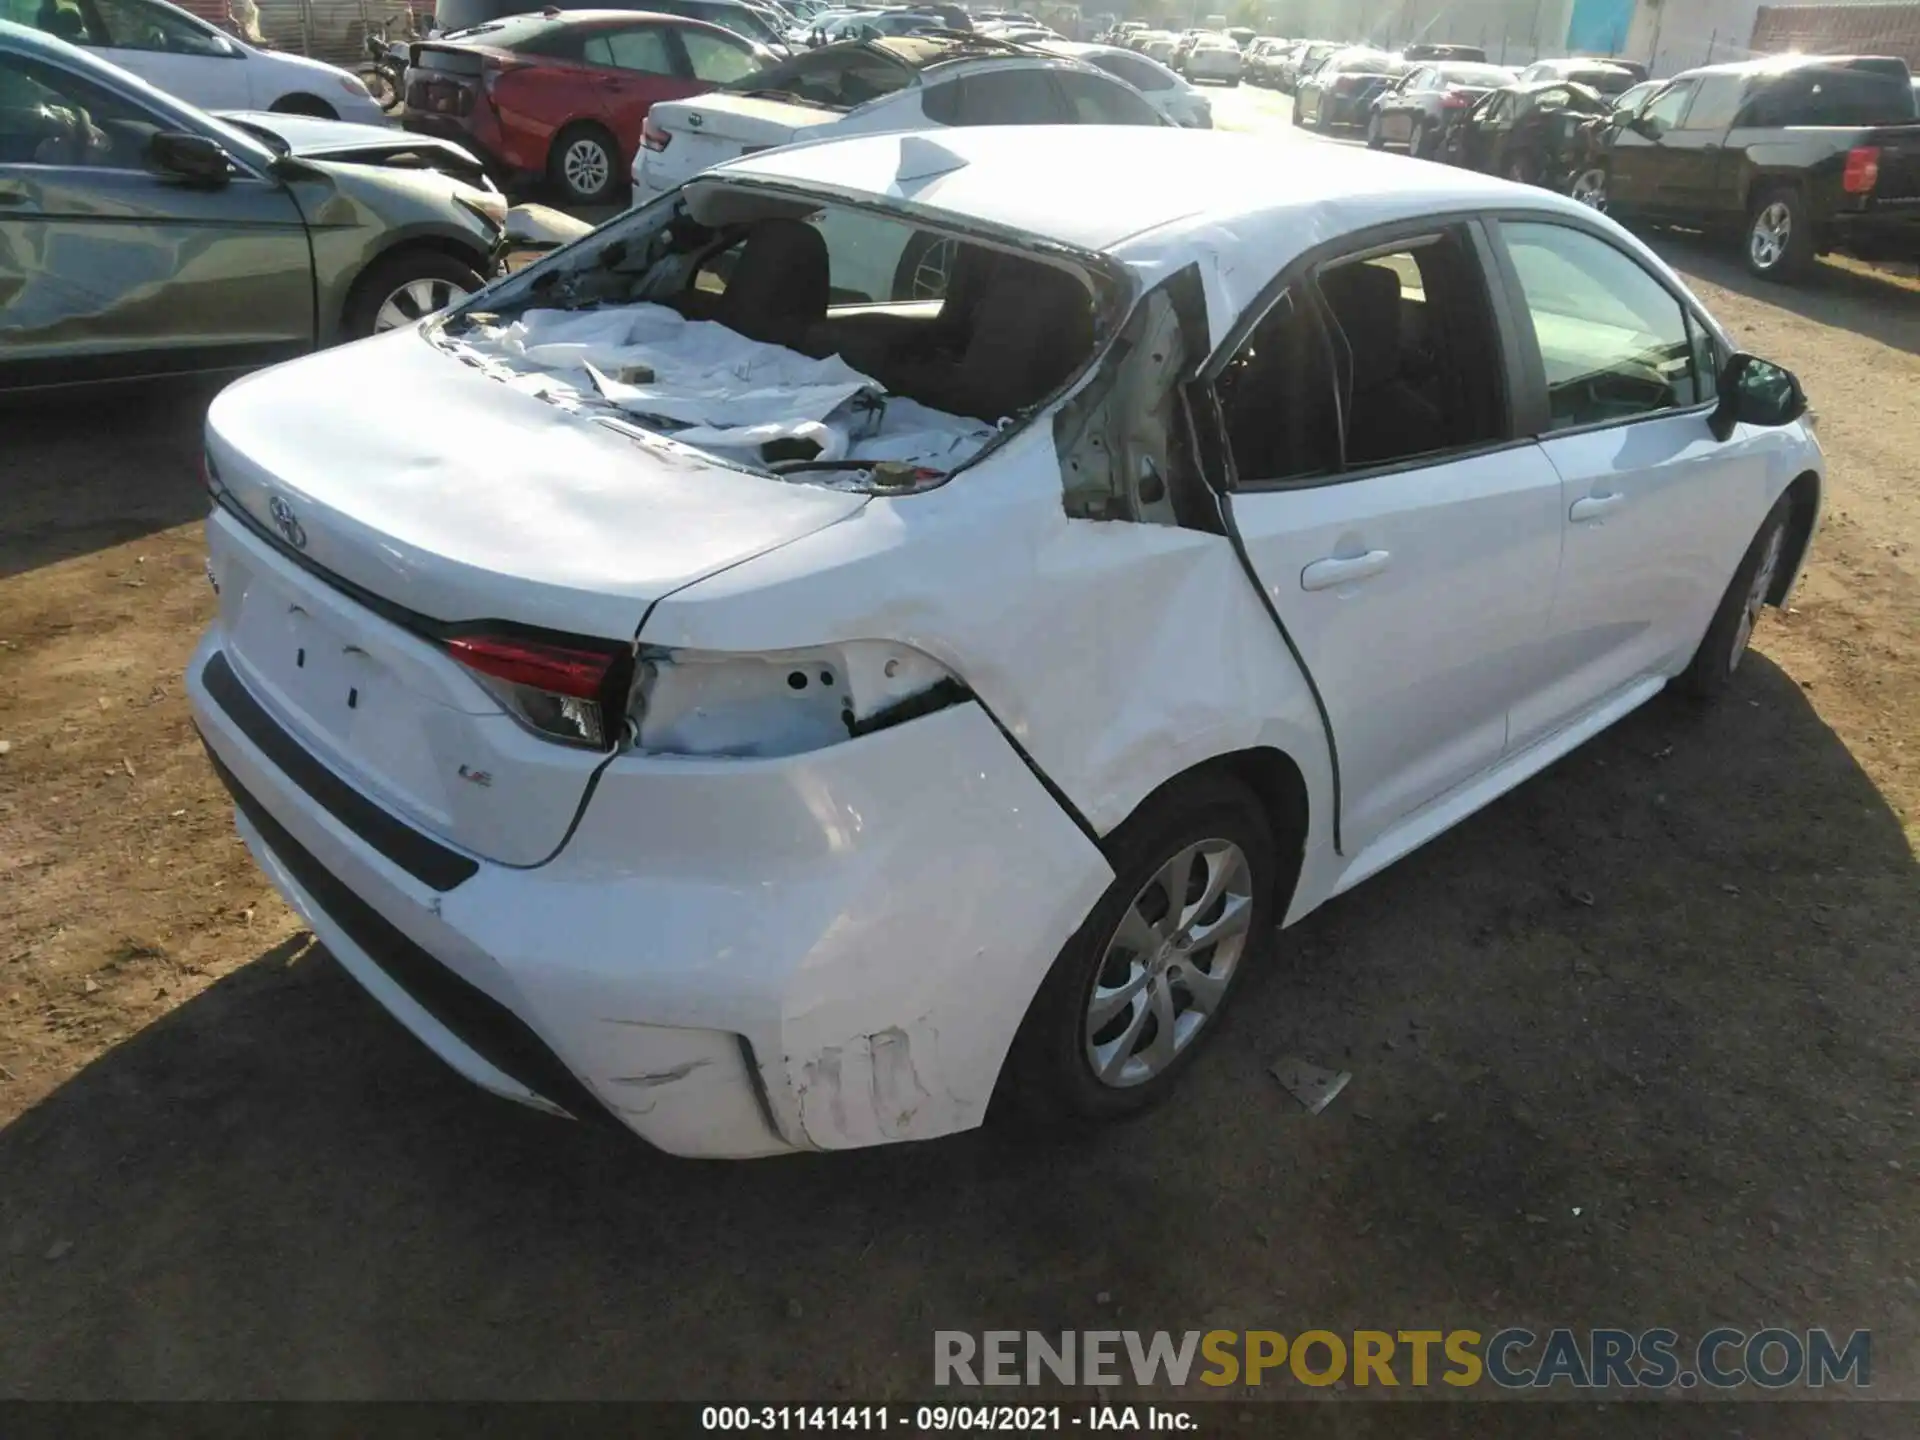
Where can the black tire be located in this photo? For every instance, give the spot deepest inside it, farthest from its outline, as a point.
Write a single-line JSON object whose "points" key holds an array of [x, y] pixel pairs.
{"points": [[1710, 673], [392, 273], [1418, 145], [568, 167], [379, 86], [1375, 140], [304, 105], [1791, 260], [1048, 1078]]}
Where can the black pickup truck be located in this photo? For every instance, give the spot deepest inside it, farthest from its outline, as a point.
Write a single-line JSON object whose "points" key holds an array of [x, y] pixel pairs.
{"points": [[1797, 155]]}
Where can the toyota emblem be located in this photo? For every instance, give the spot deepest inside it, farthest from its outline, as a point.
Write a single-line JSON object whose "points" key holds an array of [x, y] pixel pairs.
{"points": [[287, 523]]}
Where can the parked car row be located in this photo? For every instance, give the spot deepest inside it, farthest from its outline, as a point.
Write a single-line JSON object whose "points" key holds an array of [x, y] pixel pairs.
{"points": [[1797, 155]]}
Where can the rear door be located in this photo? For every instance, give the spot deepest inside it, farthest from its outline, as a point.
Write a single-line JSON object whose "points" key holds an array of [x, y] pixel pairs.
{"points": [[638, 64], [1407, 540], [108, 270]]}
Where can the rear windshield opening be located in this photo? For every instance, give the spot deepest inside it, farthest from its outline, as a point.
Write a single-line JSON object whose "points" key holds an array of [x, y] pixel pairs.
{"points": [[836, 77], [817, 340]]}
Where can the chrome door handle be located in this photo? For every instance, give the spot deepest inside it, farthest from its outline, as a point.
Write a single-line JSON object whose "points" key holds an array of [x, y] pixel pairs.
{"points": [[1593, 507], [1343, 570]]}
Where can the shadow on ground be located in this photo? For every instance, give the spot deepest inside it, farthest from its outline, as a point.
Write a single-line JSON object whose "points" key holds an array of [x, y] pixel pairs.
{"points": [[1869, 303], [60, 504], [1633, 1047]]}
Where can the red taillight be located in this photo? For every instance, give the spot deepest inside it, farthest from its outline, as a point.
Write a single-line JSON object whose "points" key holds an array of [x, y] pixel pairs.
{"points": [[1454, 100], [653, 136], [551, 689], [1863, 170]]}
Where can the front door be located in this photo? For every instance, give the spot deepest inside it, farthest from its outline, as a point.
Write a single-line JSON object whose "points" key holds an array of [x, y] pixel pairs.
{"points": [[1641, 165], [1646, 489], [1407, 542], [108, 270]]}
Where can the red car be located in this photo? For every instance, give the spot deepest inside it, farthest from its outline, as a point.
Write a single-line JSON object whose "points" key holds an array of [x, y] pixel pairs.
{"points": [[561, 94]]}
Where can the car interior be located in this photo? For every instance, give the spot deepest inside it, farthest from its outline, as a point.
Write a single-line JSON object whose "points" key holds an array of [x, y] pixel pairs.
{"points": [[1005, 334], [998, 335], [47, 118]]}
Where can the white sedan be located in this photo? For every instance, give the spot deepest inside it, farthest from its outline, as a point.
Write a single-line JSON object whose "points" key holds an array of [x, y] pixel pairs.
{"points": [[778, 723], [1170, 94], [185, 56]]}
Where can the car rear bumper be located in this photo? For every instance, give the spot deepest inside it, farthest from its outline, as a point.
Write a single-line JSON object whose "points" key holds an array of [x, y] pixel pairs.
{"points": [[1890, 233], [447, 127], [729, 957]]}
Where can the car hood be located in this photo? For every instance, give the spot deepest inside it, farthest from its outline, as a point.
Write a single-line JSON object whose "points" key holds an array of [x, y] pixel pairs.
{"points": [[415, 477], [310, 138]]}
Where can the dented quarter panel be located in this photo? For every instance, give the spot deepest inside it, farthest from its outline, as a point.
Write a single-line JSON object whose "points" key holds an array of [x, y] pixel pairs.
{"points": [[1118, 655], [873, 917]]}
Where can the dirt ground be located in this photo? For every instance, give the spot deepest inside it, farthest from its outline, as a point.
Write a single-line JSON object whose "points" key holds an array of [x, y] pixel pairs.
{"points": [[1635, 1046]]}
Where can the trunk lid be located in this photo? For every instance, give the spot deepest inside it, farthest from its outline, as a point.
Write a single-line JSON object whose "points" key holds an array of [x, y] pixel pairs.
{"points": [[465, 502], [712, 129]]}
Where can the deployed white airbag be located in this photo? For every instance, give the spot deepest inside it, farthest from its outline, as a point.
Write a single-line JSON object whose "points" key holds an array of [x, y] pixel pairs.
{"points": [[710, 386]]}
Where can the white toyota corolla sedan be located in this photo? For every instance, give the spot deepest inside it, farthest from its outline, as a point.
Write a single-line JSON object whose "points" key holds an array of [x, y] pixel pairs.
{"points": [[777, 716]]}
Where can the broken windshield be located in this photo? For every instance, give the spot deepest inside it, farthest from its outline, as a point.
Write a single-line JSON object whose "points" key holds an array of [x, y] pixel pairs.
{"points": [[831, 342]]}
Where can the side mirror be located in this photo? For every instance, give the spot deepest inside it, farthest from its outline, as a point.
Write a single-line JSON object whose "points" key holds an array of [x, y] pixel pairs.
{"points": [[182, 155], [1753, 391]]}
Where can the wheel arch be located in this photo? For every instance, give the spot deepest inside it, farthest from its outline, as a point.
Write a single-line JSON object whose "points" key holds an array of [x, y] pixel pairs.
{"points": [[432, 242], [1278, 784], [304, 102], [1804, 493]]}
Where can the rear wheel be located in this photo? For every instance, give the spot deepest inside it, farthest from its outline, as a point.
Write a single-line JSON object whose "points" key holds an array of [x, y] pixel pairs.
{"points": [[379, 85], [1731, 630], [1779, 236], [584, 164], [1590, 187], [1375, 140], [1139, 987], [1418, 145], [397, 290]]}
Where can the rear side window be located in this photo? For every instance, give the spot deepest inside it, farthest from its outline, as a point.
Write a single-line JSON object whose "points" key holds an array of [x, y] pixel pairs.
{"points": [[1096, 100], [715, 60], [996, 97], [1379, 360], [1137, 73], [1817, 95], [643, 48], [1615, 343]]}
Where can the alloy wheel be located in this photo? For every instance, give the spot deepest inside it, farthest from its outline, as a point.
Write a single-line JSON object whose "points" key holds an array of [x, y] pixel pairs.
{"points": [[1168, 963], [1757, 595], [1590, 188], [1771, 234], [586, 166], [416, 300]]}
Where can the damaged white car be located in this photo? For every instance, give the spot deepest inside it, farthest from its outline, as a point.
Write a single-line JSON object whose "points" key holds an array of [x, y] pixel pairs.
{"points": [[777, 716]]}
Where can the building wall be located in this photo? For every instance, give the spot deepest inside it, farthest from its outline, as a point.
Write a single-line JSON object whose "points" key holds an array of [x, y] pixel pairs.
{"points": [[1841, 30]]}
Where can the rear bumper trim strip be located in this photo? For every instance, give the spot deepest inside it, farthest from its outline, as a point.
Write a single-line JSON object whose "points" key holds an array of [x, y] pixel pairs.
{"points": [[422, 857]]}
